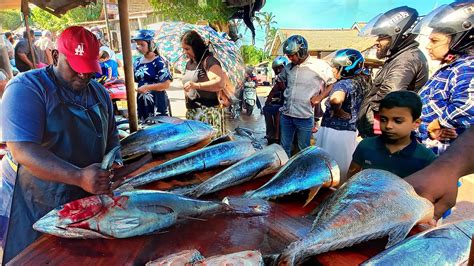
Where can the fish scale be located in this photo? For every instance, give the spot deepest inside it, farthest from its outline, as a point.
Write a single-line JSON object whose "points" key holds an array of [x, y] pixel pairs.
{"points": [[310, 168], [222, 154], [444, 245], [166, 137], [372, 204]]}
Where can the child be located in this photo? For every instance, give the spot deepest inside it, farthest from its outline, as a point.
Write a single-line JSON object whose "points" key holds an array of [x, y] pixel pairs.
{"points": [[396, 150], [338, 132], [109, 67]]}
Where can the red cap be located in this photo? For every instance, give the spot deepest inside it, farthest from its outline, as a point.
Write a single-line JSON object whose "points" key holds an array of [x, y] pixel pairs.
{"points": [[81, 49]]}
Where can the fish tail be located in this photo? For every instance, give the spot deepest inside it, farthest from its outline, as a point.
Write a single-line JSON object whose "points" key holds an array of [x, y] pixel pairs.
{"points": [[247, 206]]}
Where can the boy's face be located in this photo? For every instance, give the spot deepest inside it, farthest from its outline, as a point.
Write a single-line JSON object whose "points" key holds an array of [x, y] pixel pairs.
{"points": [[397, 122]]}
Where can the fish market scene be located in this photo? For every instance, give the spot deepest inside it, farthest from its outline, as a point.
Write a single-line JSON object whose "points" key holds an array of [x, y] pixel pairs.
{"points": [[237, 132]]}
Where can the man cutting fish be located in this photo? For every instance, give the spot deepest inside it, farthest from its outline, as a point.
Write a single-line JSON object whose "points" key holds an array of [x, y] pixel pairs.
{"points": [[58, 125]]}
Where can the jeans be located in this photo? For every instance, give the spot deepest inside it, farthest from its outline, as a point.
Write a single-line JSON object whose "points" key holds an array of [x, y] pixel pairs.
{"points": [[272, 121], [291, 125]]}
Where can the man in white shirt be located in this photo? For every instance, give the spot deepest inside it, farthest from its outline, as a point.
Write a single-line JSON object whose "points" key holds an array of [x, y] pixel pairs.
{"points": [[306, 78]]}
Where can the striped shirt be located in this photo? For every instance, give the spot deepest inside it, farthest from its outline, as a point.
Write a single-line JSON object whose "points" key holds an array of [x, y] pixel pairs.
{"points": [[449, 97]]}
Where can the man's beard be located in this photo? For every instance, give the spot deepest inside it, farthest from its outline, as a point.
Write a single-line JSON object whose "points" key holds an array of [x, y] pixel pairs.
{"points": [[380, 54]]}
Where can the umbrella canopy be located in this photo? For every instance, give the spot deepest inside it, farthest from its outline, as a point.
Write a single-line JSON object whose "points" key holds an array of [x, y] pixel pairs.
{"points": [[168, 39]]}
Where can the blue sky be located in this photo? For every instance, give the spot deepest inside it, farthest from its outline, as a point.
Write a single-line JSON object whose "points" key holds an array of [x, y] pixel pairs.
{"points": [[330, 14]]}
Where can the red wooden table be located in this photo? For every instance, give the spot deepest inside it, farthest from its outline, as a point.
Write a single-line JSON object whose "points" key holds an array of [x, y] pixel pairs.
{"points": [[220, 234]]}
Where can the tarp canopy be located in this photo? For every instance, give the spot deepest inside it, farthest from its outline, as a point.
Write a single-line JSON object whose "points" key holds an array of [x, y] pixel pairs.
{"points": [[56, 7]]}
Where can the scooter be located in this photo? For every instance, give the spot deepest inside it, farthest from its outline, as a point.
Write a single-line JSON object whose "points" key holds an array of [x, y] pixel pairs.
{"points": [[249, 97], [118, 94]]}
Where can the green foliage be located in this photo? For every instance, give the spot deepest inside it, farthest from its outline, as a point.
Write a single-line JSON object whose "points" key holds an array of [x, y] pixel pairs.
{"points": [[252, 55], [10, 19], [266, 20], [192, 11], [47, 21]]}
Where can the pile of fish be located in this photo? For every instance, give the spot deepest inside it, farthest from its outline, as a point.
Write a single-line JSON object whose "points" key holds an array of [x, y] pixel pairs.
{"points": [[132, 213], [193, 257], [222, 154], [312, 168], [172, 135], [444, 245], [261, 163], [372, 204]]}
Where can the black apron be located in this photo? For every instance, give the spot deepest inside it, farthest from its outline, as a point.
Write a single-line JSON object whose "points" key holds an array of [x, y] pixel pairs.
{"points": [[78, 135]]}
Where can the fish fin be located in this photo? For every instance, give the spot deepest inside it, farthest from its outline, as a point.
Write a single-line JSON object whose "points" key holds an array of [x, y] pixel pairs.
{"points": [[166, 120], [124, 187], [219, 140], [398, 233], [312, 193], [193, 218], [109, 158], [247, 205]]}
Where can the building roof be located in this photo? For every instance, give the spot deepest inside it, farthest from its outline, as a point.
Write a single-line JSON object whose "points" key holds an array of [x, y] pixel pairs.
{"points": [[57, 7], [324, 40]]}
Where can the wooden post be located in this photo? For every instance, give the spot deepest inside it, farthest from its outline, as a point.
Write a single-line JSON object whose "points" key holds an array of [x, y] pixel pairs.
{"points": [[107, 25], [26, 11], [128, 64]]}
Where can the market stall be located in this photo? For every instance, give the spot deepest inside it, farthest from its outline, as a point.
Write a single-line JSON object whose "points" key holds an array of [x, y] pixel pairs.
{"points": [[220, 234]]}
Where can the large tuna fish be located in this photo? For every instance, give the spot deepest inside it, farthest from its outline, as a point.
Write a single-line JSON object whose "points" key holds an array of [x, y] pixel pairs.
{"points": [[131, 213], [444, 245], [261, 163], [166, 137], [312, 168], [185, 257], [223, 154], [372, 204]]}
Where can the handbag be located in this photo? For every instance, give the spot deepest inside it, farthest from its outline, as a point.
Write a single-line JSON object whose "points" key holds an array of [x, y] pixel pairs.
{"points": [[226, 93]]}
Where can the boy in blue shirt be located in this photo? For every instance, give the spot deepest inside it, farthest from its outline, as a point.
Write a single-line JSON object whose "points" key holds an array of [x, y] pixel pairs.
{"points": [[397, 149], [109, 67]]}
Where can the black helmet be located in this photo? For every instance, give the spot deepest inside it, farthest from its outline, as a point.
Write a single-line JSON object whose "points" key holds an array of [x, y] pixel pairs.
{"points": [[296, 44], [455, 19], [146, 35], [279, 61], [394, 23], [349, 62]]}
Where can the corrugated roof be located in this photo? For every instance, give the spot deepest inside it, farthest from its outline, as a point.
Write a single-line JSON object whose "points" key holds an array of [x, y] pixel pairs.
{"points": [[325, 39]]}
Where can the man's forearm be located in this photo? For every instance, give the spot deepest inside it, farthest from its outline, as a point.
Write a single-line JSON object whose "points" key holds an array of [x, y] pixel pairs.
{"points": [[44, 164], [457, 161], [25, 59]]}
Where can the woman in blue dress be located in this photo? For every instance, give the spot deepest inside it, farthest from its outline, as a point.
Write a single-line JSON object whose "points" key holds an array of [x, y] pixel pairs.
{"points": [[153, 77]]}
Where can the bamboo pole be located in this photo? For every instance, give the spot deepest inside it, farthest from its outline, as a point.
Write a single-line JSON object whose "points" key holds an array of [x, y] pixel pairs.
{"points": [[127, 63], [107, 25], [26, 11]]}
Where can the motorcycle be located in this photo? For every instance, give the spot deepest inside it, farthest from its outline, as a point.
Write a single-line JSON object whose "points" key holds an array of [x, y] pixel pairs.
{"points": [[249, 97], [118, 94]]}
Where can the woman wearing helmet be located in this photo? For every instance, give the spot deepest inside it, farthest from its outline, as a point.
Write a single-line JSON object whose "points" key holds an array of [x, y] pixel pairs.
{"points": [[202, 81], [274, 102], [306, 77], [338, 132], [448, 96], [152, 76]]}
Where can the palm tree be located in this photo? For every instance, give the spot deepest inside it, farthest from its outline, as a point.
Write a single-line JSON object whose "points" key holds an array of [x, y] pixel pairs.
{"points": [[266, 20]]}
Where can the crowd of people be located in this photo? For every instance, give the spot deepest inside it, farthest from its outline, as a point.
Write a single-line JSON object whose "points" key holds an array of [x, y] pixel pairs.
{"points": [[405, 117]]}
